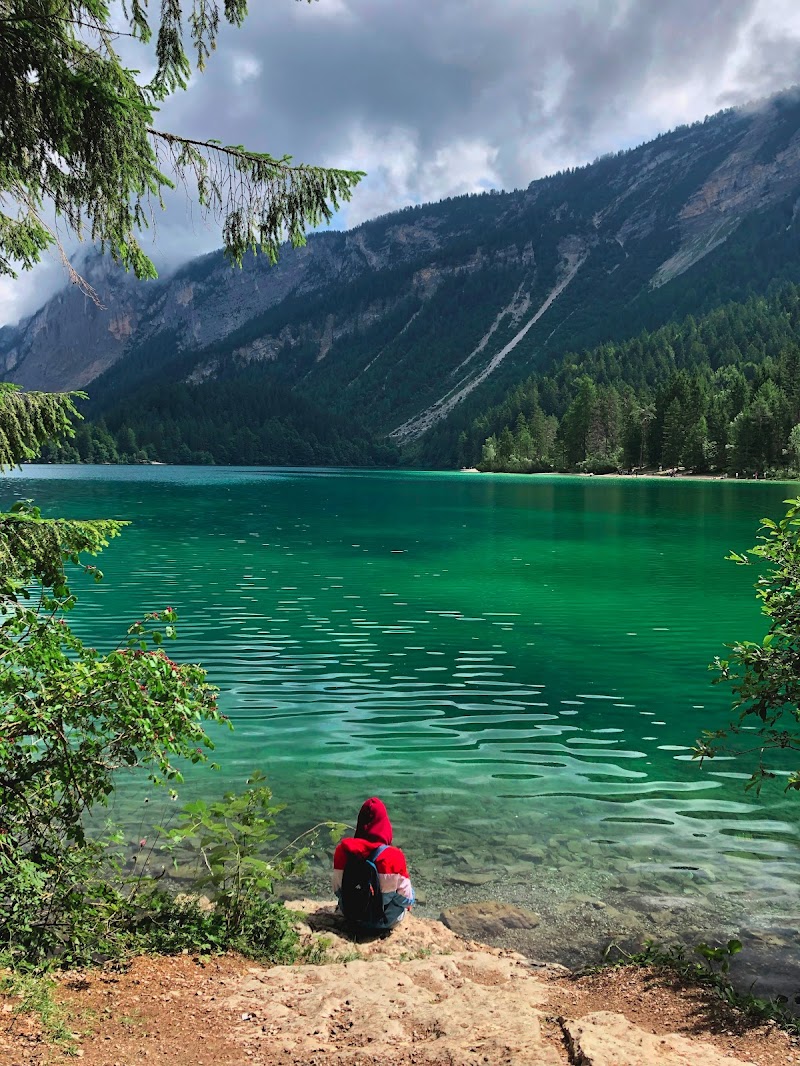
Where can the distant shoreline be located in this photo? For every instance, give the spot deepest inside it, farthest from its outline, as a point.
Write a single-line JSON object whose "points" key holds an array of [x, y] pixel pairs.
{"points": [[650, 475]]}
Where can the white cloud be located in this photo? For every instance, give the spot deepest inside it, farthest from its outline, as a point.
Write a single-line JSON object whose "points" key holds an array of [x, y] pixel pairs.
{"points": [[399, 173], [244, 68], [30, 290]]}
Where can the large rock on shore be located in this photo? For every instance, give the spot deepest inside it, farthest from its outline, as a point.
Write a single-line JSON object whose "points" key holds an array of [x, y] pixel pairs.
{"points": [[425, 997], [607, 1039]]}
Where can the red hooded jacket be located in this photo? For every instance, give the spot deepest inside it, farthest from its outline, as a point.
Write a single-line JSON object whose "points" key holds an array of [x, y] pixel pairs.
{"points": [[373, 829]]}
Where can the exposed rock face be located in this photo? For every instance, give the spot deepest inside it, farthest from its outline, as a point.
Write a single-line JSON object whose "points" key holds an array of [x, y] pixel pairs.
{"points": [[419, 997], [402, 320], [607, 1039], [422, 996], [72, 340]]}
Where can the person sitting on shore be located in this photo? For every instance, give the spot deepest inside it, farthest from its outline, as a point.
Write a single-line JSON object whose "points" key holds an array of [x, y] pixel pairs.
{"points": [[370, 877]]}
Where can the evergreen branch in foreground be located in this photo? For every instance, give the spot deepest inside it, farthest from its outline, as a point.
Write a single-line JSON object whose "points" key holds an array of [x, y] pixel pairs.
{"points": [[259, 199]]}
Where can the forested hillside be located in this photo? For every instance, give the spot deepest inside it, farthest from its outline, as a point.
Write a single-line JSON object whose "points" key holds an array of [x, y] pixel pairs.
{"points": [[719, 393], [235, 423]]}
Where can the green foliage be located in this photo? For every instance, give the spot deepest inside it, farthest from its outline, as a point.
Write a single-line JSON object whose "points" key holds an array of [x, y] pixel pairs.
{"points": [[711, 973], [317, 952], [223, 849], [30, 419], [794, 445], [77, 133], [73, 718], [243, 420], [168, 925], [719, 958], [230, 837], [114, 909], [765, 676]]}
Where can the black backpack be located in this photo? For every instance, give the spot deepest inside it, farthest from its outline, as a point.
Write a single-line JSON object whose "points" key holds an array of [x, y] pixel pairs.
{"points": [[362, 899]]}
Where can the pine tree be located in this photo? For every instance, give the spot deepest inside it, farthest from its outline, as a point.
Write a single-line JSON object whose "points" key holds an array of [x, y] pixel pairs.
{"points": [[673, 436], [505, 445], [30, 419], [794, 446], [694, 453], [645, 415], [77, 133], [33, 548], [577, 422]]}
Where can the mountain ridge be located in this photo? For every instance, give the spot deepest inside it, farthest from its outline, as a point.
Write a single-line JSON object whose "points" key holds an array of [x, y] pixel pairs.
{"points": [[413, 320]]}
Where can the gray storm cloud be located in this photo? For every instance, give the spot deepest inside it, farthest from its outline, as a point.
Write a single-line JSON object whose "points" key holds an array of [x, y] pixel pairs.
{"points": [[437, 99], [553, 81]]}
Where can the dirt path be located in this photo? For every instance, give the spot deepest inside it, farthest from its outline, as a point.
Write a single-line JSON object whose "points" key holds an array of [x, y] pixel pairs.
{"points": [[421, 996]]}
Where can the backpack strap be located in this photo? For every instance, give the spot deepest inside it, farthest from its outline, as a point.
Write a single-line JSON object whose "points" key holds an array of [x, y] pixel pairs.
{"points": [[377, 852]]}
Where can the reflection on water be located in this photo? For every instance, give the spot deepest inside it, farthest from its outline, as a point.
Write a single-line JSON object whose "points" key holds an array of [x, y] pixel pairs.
{"points": [[517, 665]]}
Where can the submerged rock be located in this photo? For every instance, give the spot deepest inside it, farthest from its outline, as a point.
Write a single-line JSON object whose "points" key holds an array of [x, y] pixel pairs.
{"points": [[472, 878], [488, 921]]}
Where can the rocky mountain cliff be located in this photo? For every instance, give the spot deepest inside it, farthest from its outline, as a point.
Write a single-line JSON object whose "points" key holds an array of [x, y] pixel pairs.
{"points": [[416, 319]]}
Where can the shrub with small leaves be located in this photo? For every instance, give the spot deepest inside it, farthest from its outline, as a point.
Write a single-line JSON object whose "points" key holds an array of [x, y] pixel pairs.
{"points": [[225, 845], [160, 922], [71, 718], [765, 676]]}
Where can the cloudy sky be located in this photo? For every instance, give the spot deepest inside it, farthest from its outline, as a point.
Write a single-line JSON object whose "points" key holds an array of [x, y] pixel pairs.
{"points": [[439, 97]]}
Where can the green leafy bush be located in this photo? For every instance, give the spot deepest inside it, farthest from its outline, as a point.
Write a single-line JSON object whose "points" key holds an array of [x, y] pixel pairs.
{"points": [[168, 925], [73, 718], [765, 676], [225, 844]]}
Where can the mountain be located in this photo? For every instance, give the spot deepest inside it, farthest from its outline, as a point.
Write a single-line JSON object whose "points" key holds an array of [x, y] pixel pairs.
{"points": [[71, 340], [412, 324]]}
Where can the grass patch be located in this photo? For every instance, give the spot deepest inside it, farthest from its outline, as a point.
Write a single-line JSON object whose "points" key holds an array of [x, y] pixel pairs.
{"points": [[34, 995]]}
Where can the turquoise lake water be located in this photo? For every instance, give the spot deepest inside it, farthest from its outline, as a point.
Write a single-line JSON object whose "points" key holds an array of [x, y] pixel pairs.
{"points": [[517, 665]]}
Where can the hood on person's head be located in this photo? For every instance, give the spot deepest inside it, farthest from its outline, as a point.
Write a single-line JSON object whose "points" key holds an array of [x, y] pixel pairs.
{"points": [[373, 822]]}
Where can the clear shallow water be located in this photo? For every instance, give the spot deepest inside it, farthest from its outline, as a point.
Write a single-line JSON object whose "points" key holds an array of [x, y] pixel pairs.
{"points": [[517, 665]]}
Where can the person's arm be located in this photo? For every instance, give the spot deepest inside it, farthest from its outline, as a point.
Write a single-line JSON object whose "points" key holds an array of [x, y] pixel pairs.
{"points": [[398, 895], [339, 860], [404, 893]]}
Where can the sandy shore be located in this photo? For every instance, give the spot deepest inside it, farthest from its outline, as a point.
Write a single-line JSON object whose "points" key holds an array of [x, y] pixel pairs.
{"points": [[423, 995]]}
